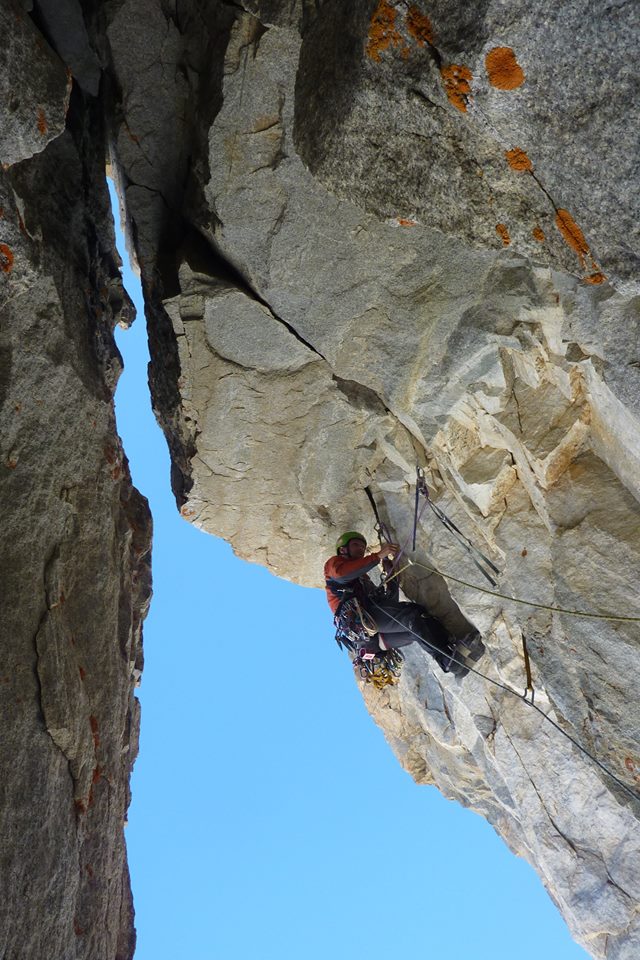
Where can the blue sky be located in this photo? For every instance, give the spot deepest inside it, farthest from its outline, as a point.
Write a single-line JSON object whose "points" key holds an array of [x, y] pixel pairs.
{"points": [[270, 820]]}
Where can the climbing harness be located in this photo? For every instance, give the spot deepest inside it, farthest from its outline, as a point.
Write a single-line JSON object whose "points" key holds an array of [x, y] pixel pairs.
{"points": [[353, 632], [367, 621], [530, 703], [485, 565], [350, 634]]}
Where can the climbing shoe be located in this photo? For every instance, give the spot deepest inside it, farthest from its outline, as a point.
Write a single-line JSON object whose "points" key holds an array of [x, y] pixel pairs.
{"points": [[470, 647]]}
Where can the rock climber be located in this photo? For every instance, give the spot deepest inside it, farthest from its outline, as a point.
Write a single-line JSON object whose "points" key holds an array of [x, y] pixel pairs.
{"points": [[375, 615]]}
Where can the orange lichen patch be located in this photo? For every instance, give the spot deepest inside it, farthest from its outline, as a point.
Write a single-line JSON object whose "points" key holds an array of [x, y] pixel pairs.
{"points": [[538, 235], [503, 69], [42, 122], [629, 764], [82, 672], [6, 258], [187, 511], [518, 160], [503, 233], [97, 773], [383, 32], [403, 222], [573, 236], [457, 84], [419, 26]]}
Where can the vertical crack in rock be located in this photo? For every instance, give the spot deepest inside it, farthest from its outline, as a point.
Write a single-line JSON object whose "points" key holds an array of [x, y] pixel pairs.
{"points": [[329, 301], [430, 343], [75, 550]]}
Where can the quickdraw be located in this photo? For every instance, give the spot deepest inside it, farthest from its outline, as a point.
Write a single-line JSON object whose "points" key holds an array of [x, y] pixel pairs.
{"points": [[381, 669], [380, 527], [350, 632], [481, 561], [486, 567], [372, 665]]}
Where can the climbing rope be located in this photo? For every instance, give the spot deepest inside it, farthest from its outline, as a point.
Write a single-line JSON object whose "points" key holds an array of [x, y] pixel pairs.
{"points": [[519, 696], [503, 596], [486, 567], [422, 489]]}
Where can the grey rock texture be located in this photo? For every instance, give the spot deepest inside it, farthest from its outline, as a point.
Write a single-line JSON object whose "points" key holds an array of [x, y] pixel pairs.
{"points": [[370, 235], [344, 282], [74, 554], [63, 21], [516, 112], [35, 87]]}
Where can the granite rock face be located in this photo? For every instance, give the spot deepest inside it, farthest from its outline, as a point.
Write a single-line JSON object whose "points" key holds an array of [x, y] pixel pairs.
{"points": [[405, 237], [35, 87], [74, 558], [521, 114], [371, 235]]}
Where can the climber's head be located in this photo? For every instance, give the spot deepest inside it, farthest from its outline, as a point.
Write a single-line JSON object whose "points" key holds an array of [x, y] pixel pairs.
{"points": [[351, 544]]}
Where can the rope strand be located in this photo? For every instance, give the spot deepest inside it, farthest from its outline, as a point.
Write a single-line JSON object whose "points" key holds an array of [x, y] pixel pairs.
{"points": [[508, 689], [498, 683], [504, 596]]}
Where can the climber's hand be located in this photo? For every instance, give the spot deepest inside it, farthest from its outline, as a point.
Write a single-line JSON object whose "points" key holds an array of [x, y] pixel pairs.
{"points": [[388, 550]]}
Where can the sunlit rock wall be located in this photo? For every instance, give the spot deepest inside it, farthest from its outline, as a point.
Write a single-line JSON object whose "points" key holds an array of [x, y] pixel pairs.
{"points": [[371, 235], [74, 554], [407, 235]]}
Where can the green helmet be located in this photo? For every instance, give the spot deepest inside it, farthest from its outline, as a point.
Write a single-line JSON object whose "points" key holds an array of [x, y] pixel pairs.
{"points": [[346, 537]]}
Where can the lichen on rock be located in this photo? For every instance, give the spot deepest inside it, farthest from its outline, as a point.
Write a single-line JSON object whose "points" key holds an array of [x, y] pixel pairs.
{"points": [[321, 348], [305, 344]]}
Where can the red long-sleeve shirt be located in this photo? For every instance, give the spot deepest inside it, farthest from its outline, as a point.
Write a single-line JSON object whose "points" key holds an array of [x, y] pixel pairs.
{"points": [[343, 570]]}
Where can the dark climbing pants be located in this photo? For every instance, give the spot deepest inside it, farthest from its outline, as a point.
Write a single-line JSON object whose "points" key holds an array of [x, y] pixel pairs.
{"points": [[403, 623]]}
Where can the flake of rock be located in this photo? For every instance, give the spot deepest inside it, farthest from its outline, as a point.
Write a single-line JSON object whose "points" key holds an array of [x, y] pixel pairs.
{"points": [[354, 236], [377, 122], [506, 379], [35, 87], [64, 22], [74, 560]]}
